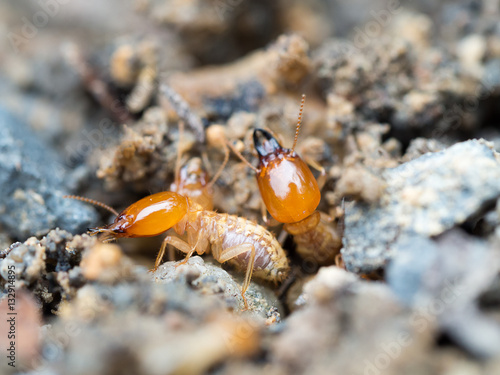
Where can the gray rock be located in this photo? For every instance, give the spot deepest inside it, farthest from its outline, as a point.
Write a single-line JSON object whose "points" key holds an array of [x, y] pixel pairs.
{"points": [[213, 280], [346, 324], [33, 180], [406, 273], [424, 197], [442, 281]]}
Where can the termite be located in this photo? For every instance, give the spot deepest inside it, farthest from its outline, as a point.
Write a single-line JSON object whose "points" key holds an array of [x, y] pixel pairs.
{"points": [[291, 194], [230, 238], [192, 180]]}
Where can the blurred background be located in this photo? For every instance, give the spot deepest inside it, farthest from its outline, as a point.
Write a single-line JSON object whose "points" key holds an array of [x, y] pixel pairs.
{"points": [[387, 81]]}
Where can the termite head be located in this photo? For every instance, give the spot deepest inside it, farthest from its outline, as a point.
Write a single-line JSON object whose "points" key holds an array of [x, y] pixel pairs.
{"points": [[193, 182], [194, 173], [118, 228], [192, 176], [148, 217], [266, 145], [287, 185]]}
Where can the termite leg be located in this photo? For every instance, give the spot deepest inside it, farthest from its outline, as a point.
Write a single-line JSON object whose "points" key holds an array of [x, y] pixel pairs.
{"points": [[191, 251], [270, 222], [322, 177], [178, 243], [263, 211], [234, 251], [171, 253]]}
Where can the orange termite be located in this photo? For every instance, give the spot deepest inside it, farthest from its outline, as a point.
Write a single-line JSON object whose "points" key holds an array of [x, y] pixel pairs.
{"points": [[192, 180], [230, 238], [292, 194]]}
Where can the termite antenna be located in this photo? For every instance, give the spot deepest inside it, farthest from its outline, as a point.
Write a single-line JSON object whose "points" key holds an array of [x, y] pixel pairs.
{"points": [[238, 154], [221, 168], [92, 201], [299, 121]]}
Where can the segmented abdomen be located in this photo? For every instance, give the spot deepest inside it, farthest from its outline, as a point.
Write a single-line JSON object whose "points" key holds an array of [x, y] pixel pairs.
{"points": [[320, 244], [227, 230]]}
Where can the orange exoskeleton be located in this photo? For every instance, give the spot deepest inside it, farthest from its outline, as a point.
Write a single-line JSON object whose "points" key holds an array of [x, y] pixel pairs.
{"points": [[291, 194], [236, 240], [192, 180]]}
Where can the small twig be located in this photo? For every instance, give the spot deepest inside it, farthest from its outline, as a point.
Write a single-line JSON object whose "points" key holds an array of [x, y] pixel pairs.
{"points": [[184, 111], [96, 86]]}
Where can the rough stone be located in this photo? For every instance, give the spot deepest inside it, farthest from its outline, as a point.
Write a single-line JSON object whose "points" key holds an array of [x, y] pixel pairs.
{"points": [[442, 280], [213, 280], [425, 196], [33, 180]]}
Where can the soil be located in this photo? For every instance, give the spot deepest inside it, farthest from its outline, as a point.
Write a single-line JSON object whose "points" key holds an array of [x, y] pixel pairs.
{"points": [[402, 273]]}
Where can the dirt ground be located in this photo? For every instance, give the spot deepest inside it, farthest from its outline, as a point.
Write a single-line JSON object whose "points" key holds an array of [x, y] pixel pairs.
{"points": [[401, 274]]}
